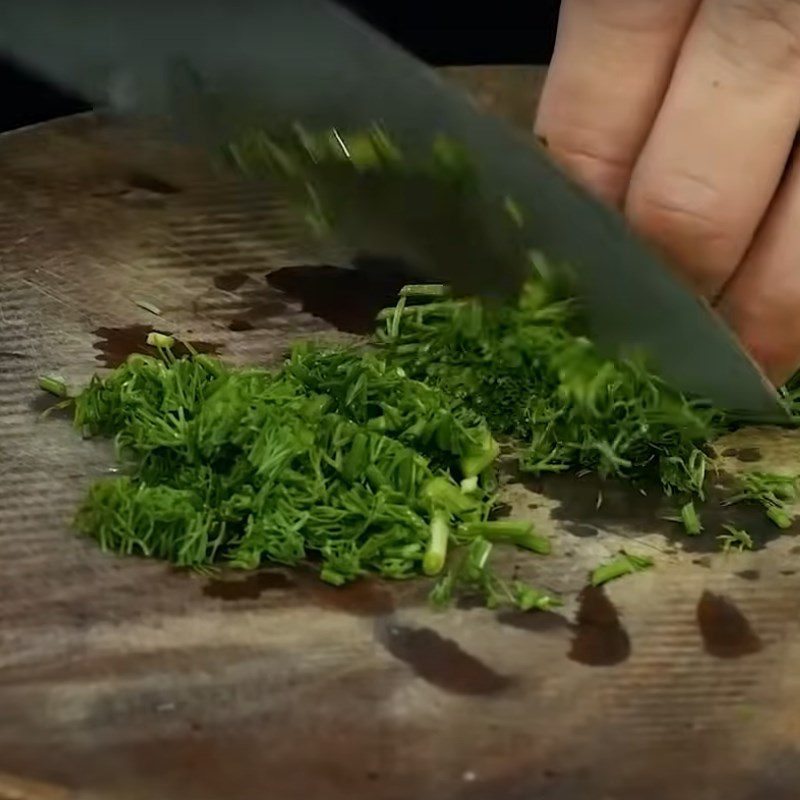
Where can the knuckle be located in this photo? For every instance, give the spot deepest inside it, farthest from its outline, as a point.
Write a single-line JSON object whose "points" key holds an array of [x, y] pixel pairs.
{"points": [[661, 214], [761, 32], [581, 157], [582, 154], [690, 226]]}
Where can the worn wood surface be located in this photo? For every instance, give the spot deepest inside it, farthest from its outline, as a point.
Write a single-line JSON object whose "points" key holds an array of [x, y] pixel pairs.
{"points": [[121, 678]]}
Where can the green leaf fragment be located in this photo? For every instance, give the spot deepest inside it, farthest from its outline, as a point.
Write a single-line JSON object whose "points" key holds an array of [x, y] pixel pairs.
{"points": [[526, 598], [471, 574], [735, 539], [424, 290], [331, 576], [443, 592], [773, 492], [161, 340], [623, 564], [435, 555], [514, 211], [690, 520], [469, 485], [54, 385], [445, 495], [147, 306], [780, 516], [518, 533]]}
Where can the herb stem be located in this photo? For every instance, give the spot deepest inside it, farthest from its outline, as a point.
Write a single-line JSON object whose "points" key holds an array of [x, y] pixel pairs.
{"points": [[691, 522], [518, 533], [436, 554], [54, 385]]}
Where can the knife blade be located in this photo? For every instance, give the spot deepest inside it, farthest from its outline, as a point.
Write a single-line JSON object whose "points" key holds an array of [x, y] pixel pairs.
{"points": [[257, 62]]}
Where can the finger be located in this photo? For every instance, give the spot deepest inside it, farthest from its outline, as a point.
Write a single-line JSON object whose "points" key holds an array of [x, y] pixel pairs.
{"points": [[609, 72], [721, 139], [762, 301]]}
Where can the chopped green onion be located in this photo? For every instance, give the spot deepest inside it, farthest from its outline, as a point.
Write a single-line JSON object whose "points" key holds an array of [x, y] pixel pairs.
{"points": [[735, 539], [623, 564], [435, 555], [519, 533], [691, 522], [54, 385], [160, 340]]}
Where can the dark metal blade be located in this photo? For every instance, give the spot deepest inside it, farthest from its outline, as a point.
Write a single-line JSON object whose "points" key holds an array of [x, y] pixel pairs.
{"points": [[262, 61]]}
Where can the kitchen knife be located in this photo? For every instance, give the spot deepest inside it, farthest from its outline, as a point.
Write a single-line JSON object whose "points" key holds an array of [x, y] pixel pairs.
{"points": [[219, 67]]}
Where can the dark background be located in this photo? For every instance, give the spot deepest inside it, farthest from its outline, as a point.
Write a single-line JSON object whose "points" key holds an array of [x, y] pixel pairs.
{"points": [[441, 33]]}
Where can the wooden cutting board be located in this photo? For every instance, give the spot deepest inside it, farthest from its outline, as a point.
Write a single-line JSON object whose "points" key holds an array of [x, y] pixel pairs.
{"points": [[123, 678]]}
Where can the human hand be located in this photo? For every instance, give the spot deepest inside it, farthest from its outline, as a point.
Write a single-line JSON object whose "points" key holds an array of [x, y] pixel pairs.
{"points": [[683, 113]]}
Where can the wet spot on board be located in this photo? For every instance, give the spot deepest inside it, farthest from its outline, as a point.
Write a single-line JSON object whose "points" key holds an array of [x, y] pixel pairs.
{"points": [[788, 572], [748, 574], [621, 504], [703, 561], [725, 630], [142, 190], [469, 602], [640, 510], [440, 661], [583, 530], [49, 404], [116, 344], [349, 298], [795, 550], [747, 455], [599, 639], [501, 511], [248, 588], [533, 621], [151, 183], [231, 281], [240, 325], [368, 598], [258, 313]]}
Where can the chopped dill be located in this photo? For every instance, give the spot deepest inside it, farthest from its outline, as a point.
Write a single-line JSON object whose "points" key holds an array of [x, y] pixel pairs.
{"points": [[338, 458], [774, 493], [735, 539], [382, 460]]}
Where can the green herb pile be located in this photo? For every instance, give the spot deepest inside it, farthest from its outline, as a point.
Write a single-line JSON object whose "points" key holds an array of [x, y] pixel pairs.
{"points": [[774, 493], [537, 380], [338, 457], [528, 369], [381, 460], [564, 406]]}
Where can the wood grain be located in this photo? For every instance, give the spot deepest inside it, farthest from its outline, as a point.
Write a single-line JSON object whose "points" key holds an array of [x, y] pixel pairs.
{"points": [[121, 678]]}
